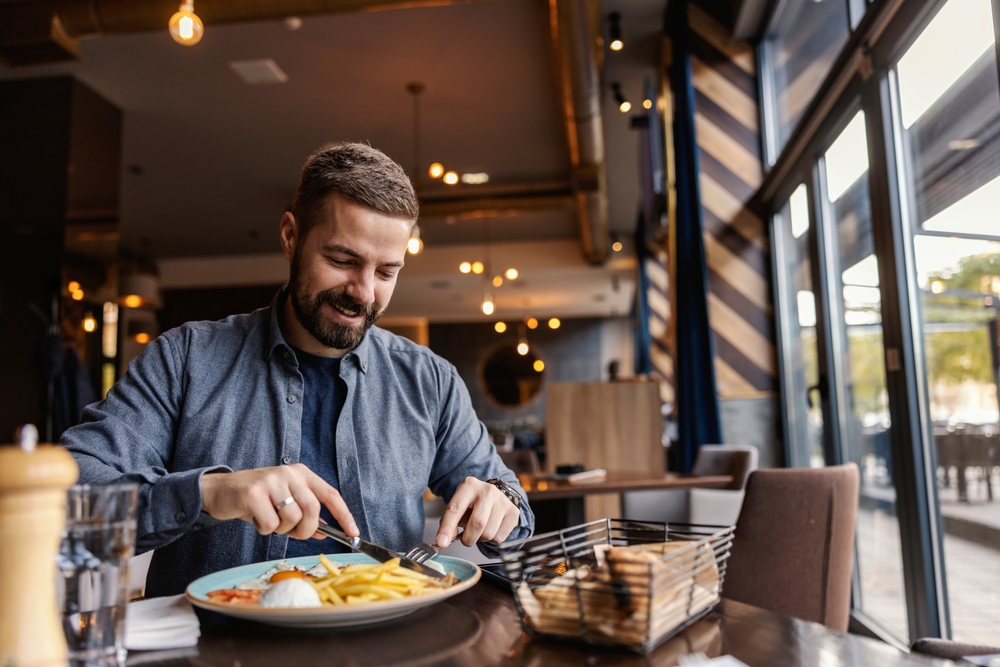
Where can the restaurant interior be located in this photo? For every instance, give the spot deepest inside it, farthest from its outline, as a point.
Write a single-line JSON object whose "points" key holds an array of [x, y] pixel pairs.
{"points": [[672, 247]]}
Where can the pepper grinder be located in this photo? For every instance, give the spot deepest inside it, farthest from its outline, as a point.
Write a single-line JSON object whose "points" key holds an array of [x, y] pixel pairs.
{"points": [[33, 483]]}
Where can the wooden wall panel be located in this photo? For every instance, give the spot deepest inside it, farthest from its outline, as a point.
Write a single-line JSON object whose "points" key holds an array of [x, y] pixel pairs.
{"points": [[615, 425]]}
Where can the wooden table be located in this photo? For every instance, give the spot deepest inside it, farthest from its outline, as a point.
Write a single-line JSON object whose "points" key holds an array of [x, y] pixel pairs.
{"points": [[558, 503], [480, 628]]}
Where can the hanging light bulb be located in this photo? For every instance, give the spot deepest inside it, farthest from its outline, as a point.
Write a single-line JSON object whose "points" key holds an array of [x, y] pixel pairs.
{"points": [[451, 178], [488, 307], [465, 267], [522, 348], [497, 281], [554, 323], [623, 104], [89, 323], [477, 268], [185, 26], [532, 323], [615, 31], [539, 365], [436, 170], [415, 244], [511, 274]]}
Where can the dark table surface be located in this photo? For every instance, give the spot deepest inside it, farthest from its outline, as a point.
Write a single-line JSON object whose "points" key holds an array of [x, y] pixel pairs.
{"points": [[480, 627], [617, 482]]}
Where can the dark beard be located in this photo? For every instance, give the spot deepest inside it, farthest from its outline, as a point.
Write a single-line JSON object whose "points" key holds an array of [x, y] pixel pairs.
{"points": [[332, 334]]}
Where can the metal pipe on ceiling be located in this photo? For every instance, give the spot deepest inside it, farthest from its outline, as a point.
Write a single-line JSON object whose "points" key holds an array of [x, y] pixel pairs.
{"points": [[576, 46]]}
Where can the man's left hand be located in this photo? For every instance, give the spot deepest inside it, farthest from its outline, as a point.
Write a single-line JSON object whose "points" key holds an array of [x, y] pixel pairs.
{"points": [[482, 509]]}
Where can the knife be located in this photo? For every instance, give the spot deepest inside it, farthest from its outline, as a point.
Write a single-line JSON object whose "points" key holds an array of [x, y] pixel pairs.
{"points": [[381, 554]]}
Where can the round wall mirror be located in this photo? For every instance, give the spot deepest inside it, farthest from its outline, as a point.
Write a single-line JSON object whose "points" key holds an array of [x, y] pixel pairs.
{"points": [[512, 379]]}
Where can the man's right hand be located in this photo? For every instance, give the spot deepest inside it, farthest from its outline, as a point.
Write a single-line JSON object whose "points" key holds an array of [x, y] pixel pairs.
{"points": [[252, 495]]}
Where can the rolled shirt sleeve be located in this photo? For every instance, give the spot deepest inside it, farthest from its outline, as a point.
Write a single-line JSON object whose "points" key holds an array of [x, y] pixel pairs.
{"points": [[129, 438], [464, 450]]}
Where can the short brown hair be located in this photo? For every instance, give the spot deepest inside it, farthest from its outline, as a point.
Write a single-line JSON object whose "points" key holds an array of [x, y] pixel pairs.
{"points": [[362, 174]]}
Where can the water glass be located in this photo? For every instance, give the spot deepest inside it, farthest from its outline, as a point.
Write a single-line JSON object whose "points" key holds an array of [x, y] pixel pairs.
{"points": [[92, 572]]}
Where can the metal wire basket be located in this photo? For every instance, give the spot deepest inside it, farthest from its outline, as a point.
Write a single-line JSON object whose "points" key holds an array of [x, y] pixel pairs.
{"points": [[572, 584]]}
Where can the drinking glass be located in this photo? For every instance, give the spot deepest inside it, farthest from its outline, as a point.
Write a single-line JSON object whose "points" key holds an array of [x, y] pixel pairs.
{"points": [[92, 572]]}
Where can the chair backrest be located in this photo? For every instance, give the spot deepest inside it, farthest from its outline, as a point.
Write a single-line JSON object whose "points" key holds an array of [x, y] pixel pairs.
{"points": [[736, 460], [794, 545], [521, 461]]}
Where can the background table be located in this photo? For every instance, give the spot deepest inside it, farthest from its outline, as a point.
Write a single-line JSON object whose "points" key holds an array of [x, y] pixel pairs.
{"points": [[559, 503], [480, 627]]}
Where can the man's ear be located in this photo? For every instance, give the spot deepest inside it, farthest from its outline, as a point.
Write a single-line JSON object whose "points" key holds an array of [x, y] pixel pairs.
{"points": [[288, 233]]}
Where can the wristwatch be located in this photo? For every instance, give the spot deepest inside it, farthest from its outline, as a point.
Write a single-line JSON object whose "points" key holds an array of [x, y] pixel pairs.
{"points": [[512, 495]]}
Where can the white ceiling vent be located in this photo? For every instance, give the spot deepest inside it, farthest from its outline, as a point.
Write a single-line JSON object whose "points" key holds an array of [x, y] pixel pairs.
{"points": [[255, 72]]}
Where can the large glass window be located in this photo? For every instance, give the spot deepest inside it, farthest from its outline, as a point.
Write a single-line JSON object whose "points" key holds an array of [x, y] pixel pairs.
{"points": [[947, 107], [804, 40], [800, 358], [860, 381]]}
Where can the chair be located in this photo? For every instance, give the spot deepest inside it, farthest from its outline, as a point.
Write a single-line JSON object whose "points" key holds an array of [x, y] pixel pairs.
{"points": [[949, 650], [794, 544], [521, 461], [718, 507]]}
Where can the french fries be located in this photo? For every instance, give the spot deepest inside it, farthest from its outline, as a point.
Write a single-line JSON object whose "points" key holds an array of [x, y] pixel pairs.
{"points": [[352, 584]]}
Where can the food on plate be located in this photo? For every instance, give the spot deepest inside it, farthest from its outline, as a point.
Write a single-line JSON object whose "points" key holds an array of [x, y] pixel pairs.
{"points": [[629, 595], [290, 593], [285, 586]]}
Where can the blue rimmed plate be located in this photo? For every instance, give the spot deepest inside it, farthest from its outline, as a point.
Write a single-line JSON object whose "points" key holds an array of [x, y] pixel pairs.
{"points": [[360, 613]]}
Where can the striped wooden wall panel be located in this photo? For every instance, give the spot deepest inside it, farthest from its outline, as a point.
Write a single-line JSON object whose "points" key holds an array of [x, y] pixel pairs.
{"points": [[658, 298], [737, 249]]}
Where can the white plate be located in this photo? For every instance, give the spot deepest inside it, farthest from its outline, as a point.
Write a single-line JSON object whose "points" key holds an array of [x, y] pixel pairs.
{"points": [[359, 613]]}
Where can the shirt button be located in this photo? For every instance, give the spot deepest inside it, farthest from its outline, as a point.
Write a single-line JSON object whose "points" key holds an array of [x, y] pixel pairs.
{"points": [[286, 459], [291, 399], [180, 517], [364, 365]]}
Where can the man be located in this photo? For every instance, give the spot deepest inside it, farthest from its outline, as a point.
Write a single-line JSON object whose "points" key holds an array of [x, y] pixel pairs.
{"points": [[302, 411]]}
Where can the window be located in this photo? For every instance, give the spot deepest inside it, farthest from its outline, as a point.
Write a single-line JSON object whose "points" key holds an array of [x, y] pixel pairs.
{"points": [[947, 116], [803, 42]]}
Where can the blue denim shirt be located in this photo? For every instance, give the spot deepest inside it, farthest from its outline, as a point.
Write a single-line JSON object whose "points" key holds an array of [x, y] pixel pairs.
{"points": [[226, 395]]}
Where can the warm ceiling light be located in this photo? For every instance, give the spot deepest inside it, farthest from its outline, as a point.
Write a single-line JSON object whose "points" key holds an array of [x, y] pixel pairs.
{"points": [[477, 268], [647, 104], [73, 286], [185, 26], [415, 244], [475, 179], [511, 274], [89, 323], [77, 295], [465, 267], [623, 104], [617, 246], [451, 177], [539, 365], [522, 348], [488, 307], [615, 31], [532, 323], [497, 281], [554, 323], [132, 300], [500, 327], [436, 170], [142, 338]]}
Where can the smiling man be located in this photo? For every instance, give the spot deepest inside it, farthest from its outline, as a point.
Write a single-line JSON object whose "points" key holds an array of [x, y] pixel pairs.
{"points": [[302, 411]]}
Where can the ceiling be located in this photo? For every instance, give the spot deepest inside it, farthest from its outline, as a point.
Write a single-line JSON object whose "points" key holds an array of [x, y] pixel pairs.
{"points": [[210, 163]]}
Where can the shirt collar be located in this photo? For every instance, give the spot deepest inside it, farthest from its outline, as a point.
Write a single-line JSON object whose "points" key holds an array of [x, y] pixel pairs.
{"points": [[276, 339]]}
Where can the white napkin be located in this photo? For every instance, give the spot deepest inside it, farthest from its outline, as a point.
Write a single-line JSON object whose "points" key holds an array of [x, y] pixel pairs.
{"points": [[160, 623]]}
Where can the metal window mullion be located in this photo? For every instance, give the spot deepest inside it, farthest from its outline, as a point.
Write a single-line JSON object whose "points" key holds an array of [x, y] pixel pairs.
{"points": [[908, 434], [996, 33], [779, 290]]}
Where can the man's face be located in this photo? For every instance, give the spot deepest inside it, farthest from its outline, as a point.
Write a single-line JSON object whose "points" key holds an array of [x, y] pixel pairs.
{"points": [[344, 270]]}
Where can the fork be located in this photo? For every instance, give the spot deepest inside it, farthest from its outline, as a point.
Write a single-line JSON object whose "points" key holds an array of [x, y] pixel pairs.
{"points": [[422, 553]]}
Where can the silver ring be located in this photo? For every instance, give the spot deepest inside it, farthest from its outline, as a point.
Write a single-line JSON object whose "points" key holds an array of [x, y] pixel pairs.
{"points": [[284, 503]]}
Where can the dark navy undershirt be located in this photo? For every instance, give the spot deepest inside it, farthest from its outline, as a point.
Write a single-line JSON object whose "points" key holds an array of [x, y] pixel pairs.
{"points": [[323, 395]]}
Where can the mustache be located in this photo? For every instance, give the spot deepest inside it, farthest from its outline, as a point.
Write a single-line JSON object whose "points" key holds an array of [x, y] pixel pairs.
{"points": [[341, 300]]}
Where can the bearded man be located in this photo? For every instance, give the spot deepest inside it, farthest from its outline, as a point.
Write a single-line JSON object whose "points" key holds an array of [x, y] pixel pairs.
{"points": [[246, 432]]}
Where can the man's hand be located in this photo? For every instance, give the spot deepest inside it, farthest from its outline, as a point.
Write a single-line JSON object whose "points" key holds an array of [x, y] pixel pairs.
{"points": [[252, 495], [485, 512]]}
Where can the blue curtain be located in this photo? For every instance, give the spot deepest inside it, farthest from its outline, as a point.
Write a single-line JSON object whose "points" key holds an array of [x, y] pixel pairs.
{"points": [[697, 399]]}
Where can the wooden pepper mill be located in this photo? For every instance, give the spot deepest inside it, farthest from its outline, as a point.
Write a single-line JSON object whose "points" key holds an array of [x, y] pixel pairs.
{"points": [[33, 483]]}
